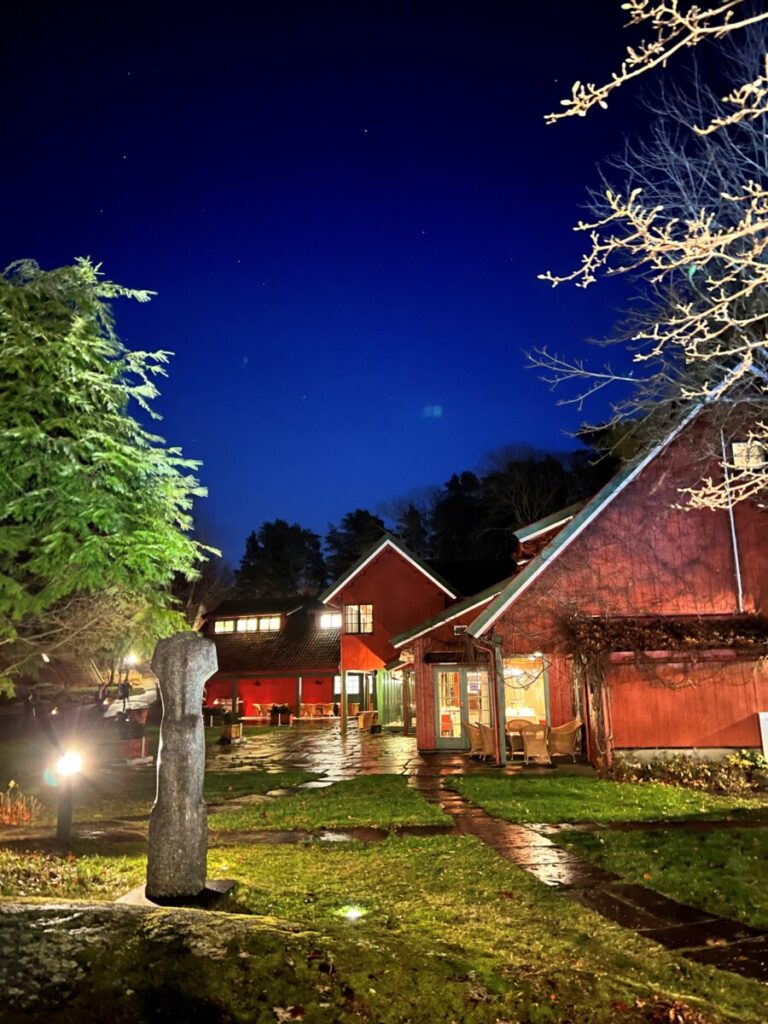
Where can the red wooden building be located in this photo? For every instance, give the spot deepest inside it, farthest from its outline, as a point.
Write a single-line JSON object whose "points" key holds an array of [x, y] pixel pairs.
{"points": [[646, 620], [274, 651], [387, 589]]}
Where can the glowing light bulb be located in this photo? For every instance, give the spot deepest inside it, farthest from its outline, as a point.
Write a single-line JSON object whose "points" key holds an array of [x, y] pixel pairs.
{"points": [[69, 764]]}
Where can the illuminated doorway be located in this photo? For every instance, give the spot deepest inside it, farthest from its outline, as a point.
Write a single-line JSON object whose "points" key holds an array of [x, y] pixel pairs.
{"points": [[461, 695]]}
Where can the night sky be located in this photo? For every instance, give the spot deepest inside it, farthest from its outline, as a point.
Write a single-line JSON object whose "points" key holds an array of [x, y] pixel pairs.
{"points": [[343, 208]]}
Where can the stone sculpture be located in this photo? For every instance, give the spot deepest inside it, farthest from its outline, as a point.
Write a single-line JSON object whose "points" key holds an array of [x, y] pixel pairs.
{"points": [[178, 822]]}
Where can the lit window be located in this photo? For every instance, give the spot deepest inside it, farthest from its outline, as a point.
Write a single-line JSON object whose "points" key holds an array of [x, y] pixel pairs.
{"points": [[358, 618], [249, 625], [330, 620], [269, 623], [224, 626], [748, 455]]}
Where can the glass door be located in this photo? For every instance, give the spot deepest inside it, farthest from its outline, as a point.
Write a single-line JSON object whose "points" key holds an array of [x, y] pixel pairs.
{"points": [[450, 693]]}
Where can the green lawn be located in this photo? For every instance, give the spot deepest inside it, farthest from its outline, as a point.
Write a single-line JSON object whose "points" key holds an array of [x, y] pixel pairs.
{"points": [[725, 872], [385, 801], [564, 797], [446, 932]]}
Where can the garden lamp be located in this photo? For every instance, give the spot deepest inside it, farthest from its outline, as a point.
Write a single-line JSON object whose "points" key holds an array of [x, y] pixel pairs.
{"points": [[67, 767]]}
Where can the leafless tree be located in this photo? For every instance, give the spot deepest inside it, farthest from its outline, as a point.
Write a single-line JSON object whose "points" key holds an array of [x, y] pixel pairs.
{"points": [[690, 223]]}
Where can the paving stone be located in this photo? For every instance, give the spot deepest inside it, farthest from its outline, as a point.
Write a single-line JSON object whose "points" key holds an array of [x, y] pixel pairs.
{"points": [[704, 933], [610, 905], [661, 906], [749, 958]]}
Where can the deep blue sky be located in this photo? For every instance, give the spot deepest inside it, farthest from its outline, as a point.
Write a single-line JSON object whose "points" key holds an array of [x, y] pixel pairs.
{"points": [[343, 208]]}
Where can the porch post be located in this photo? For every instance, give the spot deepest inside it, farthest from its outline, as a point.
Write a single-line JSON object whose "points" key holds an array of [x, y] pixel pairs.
{"points": [[405, 694], [298, 695], [498, 681], [235, 693], [343, 698]]}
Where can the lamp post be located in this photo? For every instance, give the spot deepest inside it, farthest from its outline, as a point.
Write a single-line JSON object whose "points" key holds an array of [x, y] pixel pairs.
{"points": [[67, 767]]}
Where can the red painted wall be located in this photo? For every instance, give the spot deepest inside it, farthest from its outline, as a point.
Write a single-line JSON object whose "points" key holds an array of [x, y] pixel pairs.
{"points": [[642, 556], [401, 595], [717, 709], [265, 692]]}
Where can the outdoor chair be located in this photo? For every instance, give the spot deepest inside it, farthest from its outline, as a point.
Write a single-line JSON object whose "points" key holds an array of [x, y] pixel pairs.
{"points": [[535, 742], [475, 740], [563, 739], [366, 719], [512, 729], [486, 737]]}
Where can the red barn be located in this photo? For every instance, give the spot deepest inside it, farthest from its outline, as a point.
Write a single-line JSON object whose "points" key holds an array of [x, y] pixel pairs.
{"points": [[646, 620]]}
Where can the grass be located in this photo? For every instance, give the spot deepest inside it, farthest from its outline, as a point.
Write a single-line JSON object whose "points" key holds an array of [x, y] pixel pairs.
{"points": [[383, 801], [724, 872], [448, 932], [564, 797]]}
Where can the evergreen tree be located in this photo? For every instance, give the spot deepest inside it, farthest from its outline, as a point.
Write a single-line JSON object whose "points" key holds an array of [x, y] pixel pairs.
{"points": [[96, 511], [281, 560], [345, 543]]}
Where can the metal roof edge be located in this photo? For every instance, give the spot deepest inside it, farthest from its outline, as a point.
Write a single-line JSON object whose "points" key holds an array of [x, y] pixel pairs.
{"points": [[387, 539], [562, 516], [577, 525]]}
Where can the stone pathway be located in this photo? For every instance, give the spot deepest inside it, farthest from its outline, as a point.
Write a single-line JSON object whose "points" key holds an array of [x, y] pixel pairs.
{"points": [[695, 934]]}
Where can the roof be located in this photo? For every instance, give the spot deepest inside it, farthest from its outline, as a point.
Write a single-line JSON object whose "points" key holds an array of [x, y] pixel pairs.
{"points": [[456, 610], [258, 606], [550, 522], [387, 540], [593, 508], [300, 647]]}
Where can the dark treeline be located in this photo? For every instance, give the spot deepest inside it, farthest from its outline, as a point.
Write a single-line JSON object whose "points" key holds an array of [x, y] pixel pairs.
{"points": [[465, 529]]}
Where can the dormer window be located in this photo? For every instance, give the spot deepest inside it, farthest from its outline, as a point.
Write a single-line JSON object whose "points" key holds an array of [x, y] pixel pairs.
{"points": [[330, 620], [358, 618], [248, 624]]}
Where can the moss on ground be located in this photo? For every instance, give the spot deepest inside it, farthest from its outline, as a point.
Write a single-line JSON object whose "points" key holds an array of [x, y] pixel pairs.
{"points": [[449, 932], [565, 797], [383, 801]]}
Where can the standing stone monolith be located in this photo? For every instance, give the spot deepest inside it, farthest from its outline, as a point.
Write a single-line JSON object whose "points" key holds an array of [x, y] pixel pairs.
{"points": [[178, 822]]}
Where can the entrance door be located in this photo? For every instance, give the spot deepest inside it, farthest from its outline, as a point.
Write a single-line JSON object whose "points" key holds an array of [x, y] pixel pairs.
{"points": [[450, 703], [462, 695]]}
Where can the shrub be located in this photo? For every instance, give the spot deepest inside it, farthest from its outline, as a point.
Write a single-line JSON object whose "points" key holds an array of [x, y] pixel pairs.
{"points": [[739, 772], [16, 808]]}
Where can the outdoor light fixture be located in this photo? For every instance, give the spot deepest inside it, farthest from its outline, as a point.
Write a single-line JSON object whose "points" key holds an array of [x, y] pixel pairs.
{"points": [[45, 657], [67, 767], [69, 764], [351, 913]]}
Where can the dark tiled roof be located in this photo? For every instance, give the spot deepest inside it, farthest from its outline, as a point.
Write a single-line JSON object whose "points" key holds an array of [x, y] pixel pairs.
{"points": [[299, 647]]}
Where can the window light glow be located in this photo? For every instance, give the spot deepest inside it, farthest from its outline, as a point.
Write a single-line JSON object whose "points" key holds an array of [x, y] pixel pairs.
{"points": [[224, 626], [330, 620]]}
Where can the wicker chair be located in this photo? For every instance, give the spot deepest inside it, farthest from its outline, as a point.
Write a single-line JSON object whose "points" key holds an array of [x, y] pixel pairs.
{"points": [[487, 739], [563, 739], [513, 727], [475, 740], [366, 719], [535, 742]]}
